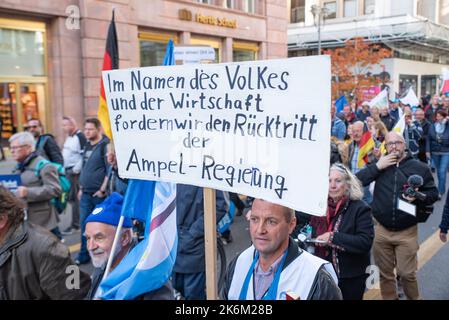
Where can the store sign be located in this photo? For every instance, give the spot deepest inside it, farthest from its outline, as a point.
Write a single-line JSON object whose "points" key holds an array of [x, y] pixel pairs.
{"points": [[192, 54], [187, 15], [260, 128]]}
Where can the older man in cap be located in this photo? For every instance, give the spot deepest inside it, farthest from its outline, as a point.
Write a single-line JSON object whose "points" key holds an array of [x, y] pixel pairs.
{"points": [[101, 227]]}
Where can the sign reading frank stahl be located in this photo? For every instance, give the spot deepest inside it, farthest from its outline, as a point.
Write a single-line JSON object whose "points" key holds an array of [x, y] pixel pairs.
{"points": [[259, 128], [10, 181]]}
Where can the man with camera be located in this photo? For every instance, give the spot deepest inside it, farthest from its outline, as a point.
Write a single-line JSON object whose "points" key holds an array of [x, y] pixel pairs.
{"points": [[403, 196]]}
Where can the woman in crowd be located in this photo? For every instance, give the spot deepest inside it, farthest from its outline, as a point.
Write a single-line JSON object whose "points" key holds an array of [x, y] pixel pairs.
{"points": [[437, 148], [346, 232]]}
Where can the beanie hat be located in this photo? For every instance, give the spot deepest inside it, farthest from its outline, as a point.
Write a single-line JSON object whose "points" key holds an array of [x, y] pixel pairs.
{"points": [[109, 211]]}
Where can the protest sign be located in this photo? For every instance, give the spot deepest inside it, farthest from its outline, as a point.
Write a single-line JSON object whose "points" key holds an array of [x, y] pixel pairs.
{"points": [[260, 128], [10, 181]]}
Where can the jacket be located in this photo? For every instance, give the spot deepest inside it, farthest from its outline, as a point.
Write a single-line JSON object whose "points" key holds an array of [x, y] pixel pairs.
{"points": [[438, 143], [338, 129], [34, 265], [41, 189], [389, 186], [323, 286], [388, 121], [49, 149], [190, 257], [351, 149], [353, 239], [412, 135]]}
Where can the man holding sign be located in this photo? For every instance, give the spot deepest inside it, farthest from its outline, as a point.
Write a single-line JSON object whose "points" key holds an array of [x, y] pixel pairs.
{"points": [[274, 266]]}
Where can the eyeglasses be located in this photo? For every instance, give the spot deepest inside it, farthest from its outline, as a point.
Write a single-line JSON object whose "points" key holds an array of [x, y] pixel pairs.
{"points": [[18, 147], [394, 143]]}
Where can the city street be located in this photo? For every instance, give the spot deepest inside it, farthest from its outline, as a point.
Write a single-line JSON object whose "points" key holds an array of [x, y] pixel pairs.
{"points": [[433, 274]]}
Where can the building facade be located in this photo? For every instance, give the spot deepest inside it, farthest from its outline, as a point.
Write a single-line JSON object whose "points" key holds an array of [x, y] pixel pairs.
{"points": [[51, 52], [416, 31]]}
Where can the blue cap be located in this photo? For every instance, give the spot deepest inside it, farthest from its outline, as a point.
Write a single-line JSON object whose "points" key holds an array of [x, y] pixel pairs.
{"points": [[394, 100], [109, 211]]}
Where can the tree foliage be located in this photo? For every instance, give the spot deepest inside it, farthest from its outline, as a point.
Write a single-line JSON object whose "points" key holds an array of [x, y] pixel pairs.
{"points": [[352, 64]]}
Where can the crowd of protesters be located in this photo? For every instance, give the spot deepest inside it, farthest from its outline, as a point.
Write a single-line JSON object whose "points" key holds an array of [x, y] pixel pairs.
{"points": [[364, 221]]}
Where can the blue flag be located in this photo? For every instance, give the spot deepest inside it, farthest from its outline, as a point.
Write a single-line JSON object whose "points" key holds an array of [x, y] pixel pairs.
{"points": [[148, 266], [340, 104]]}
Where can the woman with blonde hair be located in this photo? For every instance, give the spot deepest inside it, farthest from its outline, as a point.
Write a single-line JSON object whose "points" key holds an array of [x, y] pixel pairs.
{"points": [[345, 235]]}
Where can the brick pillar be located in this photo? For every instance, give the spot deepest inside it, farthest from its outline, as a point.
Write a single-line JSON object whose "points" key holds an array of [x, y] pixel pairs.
{"points": [[277, 21]]}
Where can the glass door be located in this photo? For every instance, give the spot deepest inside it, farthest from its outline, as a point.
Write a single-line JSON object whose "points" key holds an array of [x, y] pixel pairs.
{"points": [[15, 113]]}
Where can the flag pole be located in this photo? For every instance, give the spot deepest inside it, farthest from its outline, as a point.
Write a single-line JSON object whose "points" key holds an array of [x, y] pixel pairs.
{"points": [[210, 243], [114, 246]]}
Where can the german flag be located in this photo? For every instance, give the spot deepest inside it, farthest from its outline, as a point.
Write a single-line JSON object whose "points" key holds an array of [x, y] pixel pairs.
{"points": [[110, 62], [366, 145]]}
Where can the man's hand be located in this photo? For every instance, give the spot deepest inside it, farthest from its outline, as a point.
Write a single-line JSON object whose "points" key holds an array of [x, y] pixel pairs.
{"points": [[22, 192], [386, 160], [443, 236], [99, 194], [409, 199], [80, 192]]}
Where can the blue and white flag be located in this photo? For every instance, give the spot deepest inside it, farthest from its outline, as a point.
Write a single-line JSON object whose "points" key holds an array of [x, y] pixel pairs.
{"points": [[149, 265], [340, 104]]}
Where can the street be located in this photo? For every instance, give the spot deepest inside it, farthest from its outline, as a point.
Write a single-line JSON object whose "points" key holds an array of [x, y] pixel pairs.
{"points": [[433, 274]]}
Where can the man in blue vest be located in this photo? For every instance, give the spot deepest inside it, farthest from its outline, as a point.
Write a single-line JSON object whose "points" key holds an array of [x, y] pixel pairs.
{"points": [[274, 267]]}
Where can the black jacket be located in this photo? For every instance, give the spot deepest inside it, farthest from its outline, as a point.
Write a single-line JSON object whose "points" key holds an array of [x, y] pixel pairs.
{"points": [[190, 221], [323, 288], [35, 265], [48, 148], [355, 236], [390, 185], [388, 121], [438, 143]]}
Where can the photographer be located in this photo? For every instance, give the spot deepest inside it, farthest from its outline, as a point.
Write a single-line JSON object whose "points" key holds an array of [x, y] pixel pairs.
{"points": [[397, 214]]}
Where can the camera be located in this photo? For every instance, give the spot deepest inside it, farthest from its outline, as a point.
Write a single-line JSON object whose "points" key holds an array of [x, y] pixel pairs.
{"points": [[413, 182]]}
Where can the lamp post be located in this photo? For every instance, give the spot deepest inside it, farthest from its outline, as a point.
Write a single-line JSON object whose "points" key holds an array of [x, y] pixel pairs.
{"points": [[319, 13]]}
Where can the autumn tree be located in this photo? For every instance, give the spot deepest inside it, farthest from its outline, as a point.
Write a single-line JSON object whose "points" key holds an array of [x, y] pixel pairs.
{"points": [[351, 66]]}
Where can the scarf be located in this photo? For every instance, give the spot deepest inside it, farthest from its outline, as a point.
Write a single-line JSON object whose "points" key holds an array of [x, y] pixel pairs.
{"points": [[440, 126], [326, 224], [21, 166]]}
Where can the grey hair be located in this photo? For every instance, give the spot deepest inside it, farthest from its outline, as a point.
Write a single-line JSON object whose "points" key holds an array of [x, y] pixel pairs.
{"points": [[355, 189], [24, 138]]}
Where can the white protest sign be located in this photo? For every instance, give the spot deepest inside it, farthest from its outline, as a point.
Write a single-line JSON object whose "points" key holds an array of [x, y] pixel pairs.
{"points": [[196, 54], [260, 128]]}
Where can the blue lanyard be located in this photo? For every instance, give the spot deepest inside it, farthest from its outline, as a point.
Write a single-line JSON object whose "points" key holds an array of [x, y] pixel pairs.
{"points": [[272, 290]]}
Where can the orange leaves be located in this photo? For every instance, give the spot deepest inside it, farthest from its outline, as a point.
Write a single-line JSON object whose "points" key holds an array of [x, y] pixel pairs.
{"points": [[352, 64]]}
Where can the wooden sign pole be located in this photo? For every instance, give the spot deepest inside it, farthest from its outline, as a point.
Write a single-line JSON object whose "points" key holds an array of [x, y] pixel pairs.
{"points": [[210, 237]]}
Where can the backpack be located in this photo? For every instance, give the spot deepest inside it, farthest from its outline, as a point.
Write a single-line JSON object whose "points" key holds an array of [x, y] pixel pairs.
{"points": [[59, 202]]}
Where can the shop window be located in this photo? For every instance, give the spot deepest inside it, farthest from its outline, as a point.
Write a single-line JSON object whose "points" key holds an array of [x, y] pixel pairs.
{"points": [[22, 52], [407, 81], [242, 51], [152, 48], [428, 85]]}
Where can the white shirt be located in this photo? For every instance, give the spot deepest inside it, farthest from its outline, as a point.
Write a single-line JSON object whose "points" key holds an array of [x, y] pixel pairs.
{"points": [[72, 153]]}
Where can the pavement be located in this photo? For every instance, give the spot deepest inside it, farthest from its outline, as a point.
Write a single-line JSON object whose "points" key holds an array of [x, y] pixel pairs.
{"points": [[433, 255]]}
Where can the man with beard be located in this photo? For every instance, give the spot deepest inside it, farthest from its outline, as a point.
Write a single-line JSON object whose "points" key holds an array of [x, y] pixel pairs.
{"points": [[101, 226]]}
